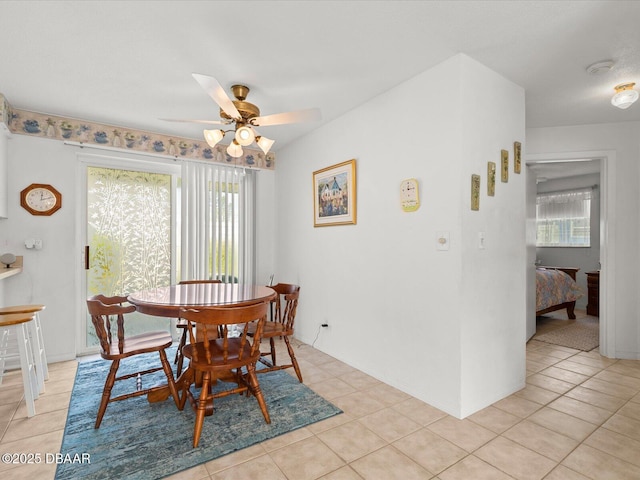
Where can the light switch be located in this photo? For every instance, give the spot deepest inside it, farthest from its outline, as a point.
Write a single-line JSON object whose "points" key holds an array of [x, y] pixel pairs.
{"points": [[442, 241], [481, 240]]}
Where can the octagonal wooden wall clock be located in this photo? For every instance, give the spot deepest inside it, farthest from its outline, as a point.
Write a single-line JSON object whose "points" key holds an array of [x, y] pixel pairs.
{"points": [[40, 199]]}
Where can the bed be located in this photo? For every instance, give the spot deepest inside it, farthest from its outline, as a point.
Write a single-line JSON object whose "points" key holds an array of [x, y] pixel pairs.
{"points": [[556, 289]]}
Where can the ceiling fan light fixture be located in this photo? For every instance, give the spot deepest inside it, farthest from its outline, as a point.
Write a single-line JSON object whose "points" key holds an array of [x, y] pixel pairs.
{"points": [[625, 95], [244, 115], [264, 143], [213, 136], [234, 149], [245, 135]]}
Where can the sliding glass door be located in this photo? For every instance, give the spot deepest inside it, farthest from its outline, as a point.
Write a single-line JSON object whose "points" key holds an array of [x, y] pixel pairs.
{"points": [[129, 238]]}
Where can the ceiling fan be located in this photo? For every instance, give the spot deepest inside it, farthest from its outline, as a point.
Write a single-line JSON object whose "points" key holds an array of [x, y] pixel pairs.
{"points": [[244, 116]]}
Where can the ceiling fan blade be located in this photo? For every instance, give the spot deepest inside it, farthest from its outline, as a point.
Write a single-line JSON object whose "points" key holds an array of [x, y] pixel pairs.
{"points": [[298, 116], [208, 122], [215, 91]]}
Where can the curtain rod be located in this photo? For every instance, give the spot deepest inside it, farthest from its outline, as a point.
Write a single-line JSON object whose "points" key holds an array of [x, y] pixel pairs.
{"points": [[151, 154], [578, 189], [117, 149]]}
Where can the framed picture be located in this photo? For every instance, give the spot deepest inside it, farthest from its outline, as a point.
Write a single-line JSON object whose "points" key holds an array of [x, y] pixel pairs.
{"points": [[517, 157], [504, 166], [334, 195], [475, 192], [491, 179]]}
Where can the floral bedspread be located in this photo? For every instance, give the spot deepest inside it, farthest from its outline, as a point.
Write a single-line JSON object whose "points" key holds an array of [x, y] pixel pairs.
{"points": [[554, 287]]}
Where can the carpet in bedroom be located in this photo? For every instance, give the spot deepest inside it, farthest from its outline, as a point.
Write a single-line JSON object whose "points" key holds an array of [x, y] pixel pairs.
{"points": [[583, 333]]}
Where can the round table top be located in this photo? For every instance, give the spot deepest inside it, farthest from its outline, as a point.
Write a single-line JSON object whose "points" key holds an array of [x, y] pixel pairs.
{"points": [[167, 301]]}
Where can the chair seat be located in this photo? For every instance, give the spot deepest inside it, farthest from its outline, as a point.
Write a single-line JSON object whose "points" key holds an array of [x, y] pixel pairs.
{"points": [[273, 329], [216, 351], [144, 342], [21, 309], [14, 319]]}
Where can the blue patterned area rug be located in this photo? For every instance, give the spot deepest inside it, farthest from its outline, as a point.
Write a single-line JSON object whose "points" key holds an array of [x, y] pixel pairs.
{"points": [[139, 440]]}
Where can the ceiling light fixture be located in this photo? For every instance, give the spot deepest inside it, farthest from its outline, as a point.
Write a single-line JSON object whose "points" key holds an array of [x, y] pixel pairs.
{"points": [[245, 116], [264, 143], [244, 136], [213, 136], [234, 149], [600, 68], [625, 95]]}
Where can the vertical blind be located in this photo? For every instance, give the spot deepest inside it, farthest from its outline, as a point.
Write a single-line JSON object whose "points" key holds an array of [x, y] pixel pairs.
{"points": [[217, 223]]}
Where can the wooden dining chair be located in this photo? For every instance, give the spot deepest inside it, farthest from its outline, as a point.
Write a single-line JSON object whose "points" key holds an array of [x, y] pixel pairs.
{"points": [[116, 346], [222, 357], [283, 316], [182, 325]]}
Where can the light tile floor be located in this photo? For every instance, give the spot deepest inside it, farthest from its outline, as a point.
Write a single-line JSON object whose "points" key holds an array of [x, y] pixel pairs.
{"points": [[577, 418]]}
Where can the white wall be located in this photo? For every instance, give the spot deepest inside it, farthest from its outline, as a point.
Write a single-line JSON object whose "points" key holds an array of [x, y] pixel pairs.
{"points": [[585, 258], [446, 327], [51, 275], [622, 223], [493, 297]]}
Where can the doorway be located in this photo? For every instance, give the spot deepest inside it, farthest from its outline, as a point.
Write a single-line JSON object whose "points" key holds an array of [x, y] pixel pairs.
{"points": [[580, 163]]}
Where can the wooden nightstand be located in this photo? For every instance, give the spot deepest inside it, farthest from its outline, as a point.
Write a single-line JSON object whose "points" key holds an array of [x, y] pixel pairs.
{"points": [[593, 295]]}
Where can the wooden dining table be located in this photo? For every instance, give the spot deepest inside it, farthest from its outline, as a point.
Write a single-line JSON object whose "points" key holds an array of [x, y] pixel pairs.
{"points": [[167, 302]]}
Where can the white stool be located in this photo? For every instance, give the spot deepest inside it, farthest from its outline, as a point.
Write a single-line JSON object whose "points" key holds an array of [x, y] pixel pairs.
{"points": [[37, 340], [19, 323]]}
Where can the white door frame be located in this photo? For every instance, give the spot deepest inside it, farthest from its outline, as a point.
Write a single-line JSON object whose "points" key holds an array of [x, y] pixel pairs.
{"points": [[607, 226]]}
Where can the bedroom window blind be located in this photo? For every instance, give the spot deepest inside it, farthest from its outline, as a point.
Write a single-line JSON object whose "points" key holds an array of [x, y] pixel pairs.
{"points": [[217, 224], [563, 219]]}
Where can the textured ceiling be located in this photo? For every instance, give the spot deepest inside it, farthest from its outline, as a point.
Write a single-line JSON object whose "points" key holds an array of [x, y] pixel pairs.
{"points": [[130, 63]]}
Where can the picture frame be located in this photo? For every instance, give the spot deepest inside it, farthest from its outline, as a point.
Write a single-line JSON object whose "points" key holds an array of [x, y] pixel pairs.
{"points": [[504, 166], [517, 157], [334, 195], [491, 179], [475, 192]]}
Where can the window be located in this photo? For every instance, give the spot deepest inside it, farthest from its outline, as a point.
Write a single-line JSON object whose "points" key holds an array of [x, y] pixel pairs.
{"points": [[563, 219]]}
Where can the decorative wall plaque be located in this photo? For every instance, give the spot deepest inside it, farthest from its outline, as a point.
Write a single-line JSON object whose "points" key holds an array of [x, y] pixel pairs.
{"points": [[504, 166], [475, 192], [491, 178]]}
